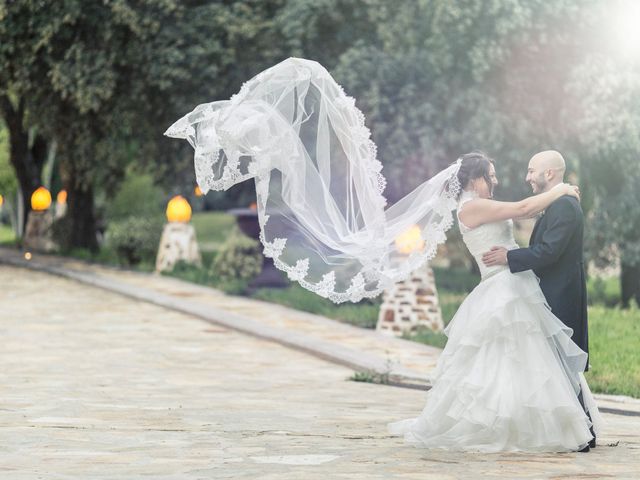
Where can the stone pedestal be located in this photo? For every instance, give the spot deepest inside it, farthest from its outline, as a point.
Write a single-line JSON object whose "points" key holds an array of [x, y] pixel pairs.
{"points": [[37, 233], [178, 242], [411, 304], [61, 210]]}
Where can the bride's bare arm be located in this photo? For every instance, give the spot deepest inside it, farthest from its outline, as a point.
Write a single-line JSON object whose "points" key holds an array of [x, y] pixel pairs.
{"points": [[483, 210]]}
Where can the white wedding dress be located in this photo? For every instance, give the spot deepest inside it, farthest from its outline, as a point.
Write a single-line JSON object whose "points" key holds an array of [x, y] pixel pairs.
{"points": [[508, 377]]}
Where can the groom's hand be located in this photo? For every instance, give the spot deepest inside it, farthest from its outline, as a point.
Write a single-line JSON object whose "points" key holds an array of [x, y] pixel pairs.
{"points": [[497, 256]]}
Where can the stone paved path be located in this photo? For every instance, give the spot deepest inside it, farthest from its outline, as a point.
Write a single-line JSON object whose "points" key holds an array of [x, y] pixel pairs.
{"points": [[96, 385], [356, 347]]}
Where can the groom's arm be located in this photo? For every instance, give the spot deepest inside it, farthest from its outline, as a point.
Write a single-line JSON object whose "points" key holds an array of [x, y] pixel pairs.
{"points": [[562, 220]]}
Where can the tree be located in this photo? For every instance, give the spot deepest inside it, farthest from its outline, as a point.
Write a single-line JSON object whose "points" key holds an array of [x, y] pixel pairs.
{"points": [[322, 30], [444, 78], [104, 79], [8, 183], [608, 140], [28, 147]]}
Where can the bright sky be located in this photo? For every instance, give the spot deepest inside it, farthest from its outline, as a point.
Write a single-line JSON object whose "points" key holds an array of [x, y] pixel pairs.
{"points": [[626, 27]]}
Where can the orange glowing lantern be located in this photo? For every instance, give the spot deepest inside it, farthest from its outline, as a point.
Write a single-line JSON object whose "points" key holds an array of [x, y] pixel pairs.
{"points": [[178, 210], [61, 198], [198, 191], [410, 240], [40, 199], [1, 200]]}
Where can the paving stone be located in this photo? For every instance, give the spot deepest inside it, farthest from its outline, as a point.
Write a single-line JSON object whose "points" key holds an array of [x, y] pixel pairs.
{"points": [[97, 385]]}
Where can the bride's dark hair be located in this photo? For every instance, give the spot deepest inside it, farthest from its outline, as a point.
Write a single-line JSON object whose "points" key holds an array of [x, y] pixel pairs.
{"points": [[474, 165]]}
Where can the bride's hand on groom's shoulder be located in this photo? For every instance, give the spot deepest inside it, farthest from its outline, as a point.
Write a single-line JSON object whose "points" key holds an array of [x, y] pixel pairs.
{"points": [[572, 190], [496, 256]]}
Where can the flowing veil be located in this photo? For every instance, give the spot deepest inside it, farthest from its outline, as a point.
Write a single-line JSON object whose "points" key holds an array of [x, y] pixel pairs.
{"points": [[318, 182]]}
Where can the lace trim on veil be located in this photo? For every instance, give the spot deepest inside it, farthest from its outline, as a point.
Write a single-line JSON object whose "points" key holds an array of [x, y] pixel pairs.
{"points": [[433, 235]]}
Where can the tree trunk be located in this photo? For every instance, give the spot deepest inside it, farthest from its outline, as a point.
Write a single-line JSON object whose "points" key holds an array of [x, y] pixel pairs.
{"points": [[82, 222], [630, 283], [27, 160]]}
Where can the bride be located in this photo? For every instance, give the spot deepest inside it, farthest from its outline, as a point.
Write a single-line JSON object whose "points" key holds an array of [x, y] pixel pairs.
{"points": [[509, 376]]}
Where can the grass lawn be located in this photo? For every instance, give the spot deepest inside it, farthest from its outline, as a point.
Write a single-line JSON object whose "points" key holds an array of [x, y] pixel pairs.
{"points": [[6, 234], [362, 314], [614, 349], [212, 228]]}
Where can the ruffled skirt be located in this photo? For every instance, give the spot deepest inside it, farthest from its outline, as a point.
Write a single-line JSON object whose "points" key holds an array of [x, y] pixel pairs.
{"points": [[508, 377]]}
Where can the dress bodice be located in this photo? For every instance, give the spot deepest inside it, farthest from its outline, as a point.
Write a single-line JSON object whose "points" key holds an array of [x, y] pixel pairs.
{"points": [[480, 239]]}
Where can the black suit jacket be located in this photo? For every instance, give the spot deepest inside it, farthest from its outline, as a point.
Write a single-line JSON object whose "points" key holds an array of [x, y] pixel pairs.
{"points": [[555, 256]]}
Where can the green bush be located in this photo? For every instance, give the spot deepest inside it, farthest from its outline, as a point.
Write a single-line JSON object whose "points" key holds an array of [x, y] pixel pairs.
{"points": [[604, 291], [137, 196], [135, 239], [190, 273], [239, 258]]}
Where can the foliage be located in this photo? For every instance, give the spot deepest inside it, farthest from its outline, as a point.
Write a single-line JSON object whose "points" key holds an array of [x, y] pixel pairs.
{"points": [[204, 276], [105, 78], [190, 272], [323, 30], [370, 376], [603, 291], [106, 256], [137, 195], [239, 258], [447, 77], [607, 135], [135, 239], [8, 183]]}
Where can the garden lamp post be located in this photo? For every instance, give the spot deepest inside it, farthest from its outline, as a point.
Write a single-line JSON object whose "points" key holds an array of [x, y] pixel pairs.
{"points": [[38, 230], [178, 241], [411, 303], [61, 204]]}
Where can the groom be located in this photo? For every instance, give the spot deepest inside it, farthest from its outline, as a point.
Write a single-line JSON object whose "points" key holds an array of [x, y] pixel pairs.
{"points": [[554, 252]]}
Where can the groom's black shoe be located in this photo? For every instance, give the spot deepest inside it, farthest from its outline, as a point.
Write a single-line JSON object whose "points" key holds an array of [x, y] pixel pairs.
{"points": [[585, 449]]}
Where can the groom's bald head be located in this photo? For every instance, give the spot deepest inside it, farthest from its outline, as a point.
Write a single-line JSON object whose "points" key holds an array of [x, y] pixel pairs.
{"points": [[548, 160], [546, 170]]}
